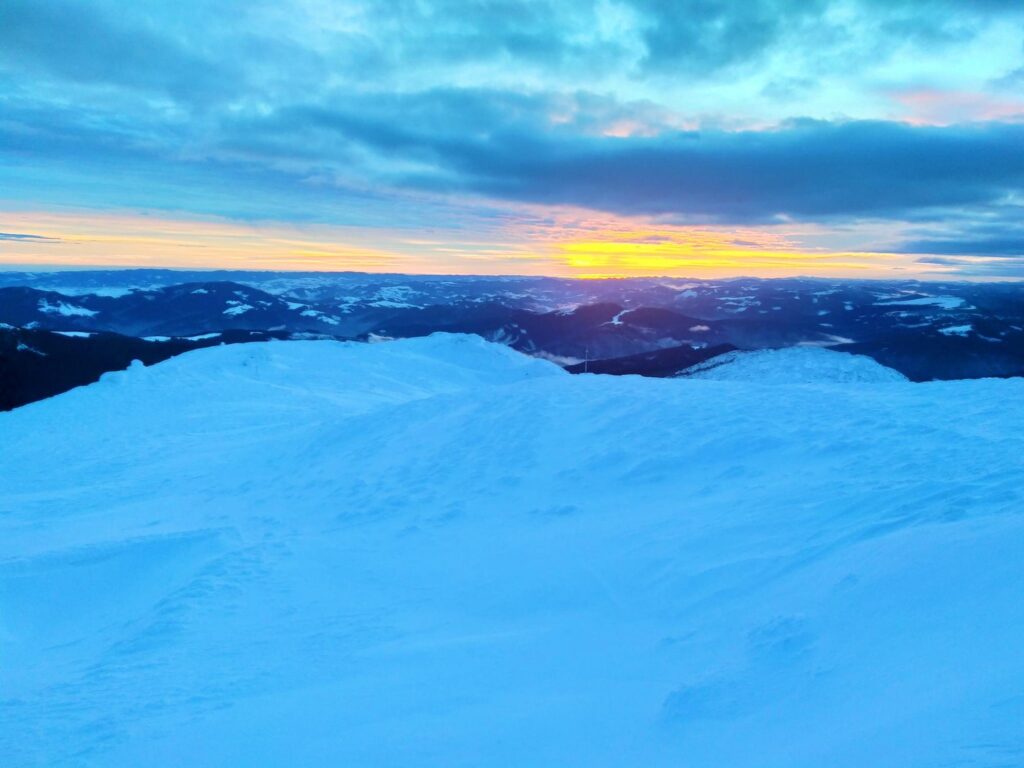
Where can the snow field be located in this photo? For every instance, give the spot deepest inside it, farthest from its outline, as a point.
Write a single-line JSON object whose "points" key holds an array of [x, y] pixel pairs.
{"points": [[440, 552]]}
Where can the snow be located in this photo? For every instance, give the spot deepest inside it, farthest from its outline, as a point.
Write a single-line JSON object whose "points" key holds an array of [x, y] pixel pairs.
{"points": [[75, 334], [394, 293], [106, 292], [394, 297], [560, 360], [65, 309], [699, 328], [441, 552], [508, 334], [320, 316], [943, 302], [827, 340], [203, 336], [159, 338], [794, 365], [957, 330], [237, 308], [835, 339]]}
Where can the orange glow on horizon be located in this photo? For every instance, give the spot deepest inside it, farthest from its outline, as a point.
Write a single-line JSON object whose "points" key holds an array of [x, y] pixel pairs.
{"points": [[562, 244], [698, 252]]}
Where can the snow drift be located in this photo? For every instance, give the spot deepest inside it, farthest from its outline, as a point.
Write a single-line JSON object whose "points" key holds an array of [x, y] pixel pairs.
{"points": [[794, 365], [440, 552]]}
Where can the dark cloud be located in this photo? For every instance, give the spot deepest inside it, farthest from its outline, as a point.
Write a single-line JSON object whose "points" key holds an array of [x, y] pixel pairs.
{"points": [[83, 43], [997, 247], [550, 149], [709, 35], [805, 169], [984, 242], [333, 111], [700, 37], [992, 270], [18, 237]]}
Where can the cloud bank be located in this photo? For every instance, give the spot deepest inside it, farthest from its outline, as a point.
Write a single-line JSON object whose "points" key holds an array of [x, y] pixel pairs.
{"points": [[445, 114]]}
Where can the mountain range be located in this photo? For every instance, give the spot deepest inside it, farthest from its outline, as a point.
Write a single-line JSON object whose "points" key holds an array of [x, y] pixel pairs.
{"points": [[646, 326]]}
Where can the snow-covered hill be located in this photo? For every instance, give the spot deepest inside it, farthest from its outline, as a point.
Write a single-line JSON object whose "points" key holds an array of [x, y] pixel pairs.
{"points": [[647, 326], [794, 365], [440, 552]]}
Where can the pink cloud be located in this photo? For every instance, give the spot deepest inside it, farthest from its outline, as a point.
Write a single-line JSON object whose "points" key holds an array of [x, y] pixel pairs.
{"points": [[931, 106]]}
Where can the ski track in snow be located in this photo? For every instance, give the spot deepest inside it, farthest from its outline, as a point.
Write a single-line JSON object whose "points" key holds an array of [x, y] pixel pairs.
{"points": [[440, 552]]}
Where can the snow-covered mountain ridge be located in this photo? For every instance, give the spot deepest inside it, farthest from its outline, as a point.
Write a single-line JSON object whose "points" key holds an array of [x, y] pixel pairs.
{"points": [[438, 551], [60, 330], [794, 365]]}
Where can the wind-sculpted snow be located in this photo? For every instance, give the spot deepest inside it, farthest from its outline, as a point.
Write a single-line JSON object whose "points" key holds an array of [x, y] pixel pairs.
{"points": [[794, 365], [439, 552]]}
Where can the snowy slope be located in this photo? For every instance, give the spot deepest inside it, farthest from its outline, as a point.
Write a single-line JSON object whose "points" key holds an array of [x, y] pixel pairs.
{"points": [[794, 365], [439, 552]]}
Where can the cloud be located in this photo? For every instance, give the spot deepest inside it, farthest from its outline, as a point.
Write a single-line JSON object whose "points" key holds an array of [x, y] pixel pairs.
{"points": [[553, 149], [18, 237], [707, 37], [195, 51], [83, 43], [459, 142], [806, 169], [999, 269], [932, 106], [451, 113], [995, 247], [1013, 80], [987, 243], [699, 36]]}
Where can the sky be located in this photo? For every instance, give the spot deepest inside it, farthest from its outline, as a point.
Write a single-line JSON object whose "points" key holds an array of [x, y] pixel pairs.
{"points": [[702, 138]]}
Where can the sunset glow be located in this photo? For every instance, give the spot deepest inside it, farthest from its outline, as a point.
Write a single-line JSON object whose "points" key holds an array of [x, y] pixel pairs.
{"points": [[607, 139], [572, 249], [526, 383]]}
